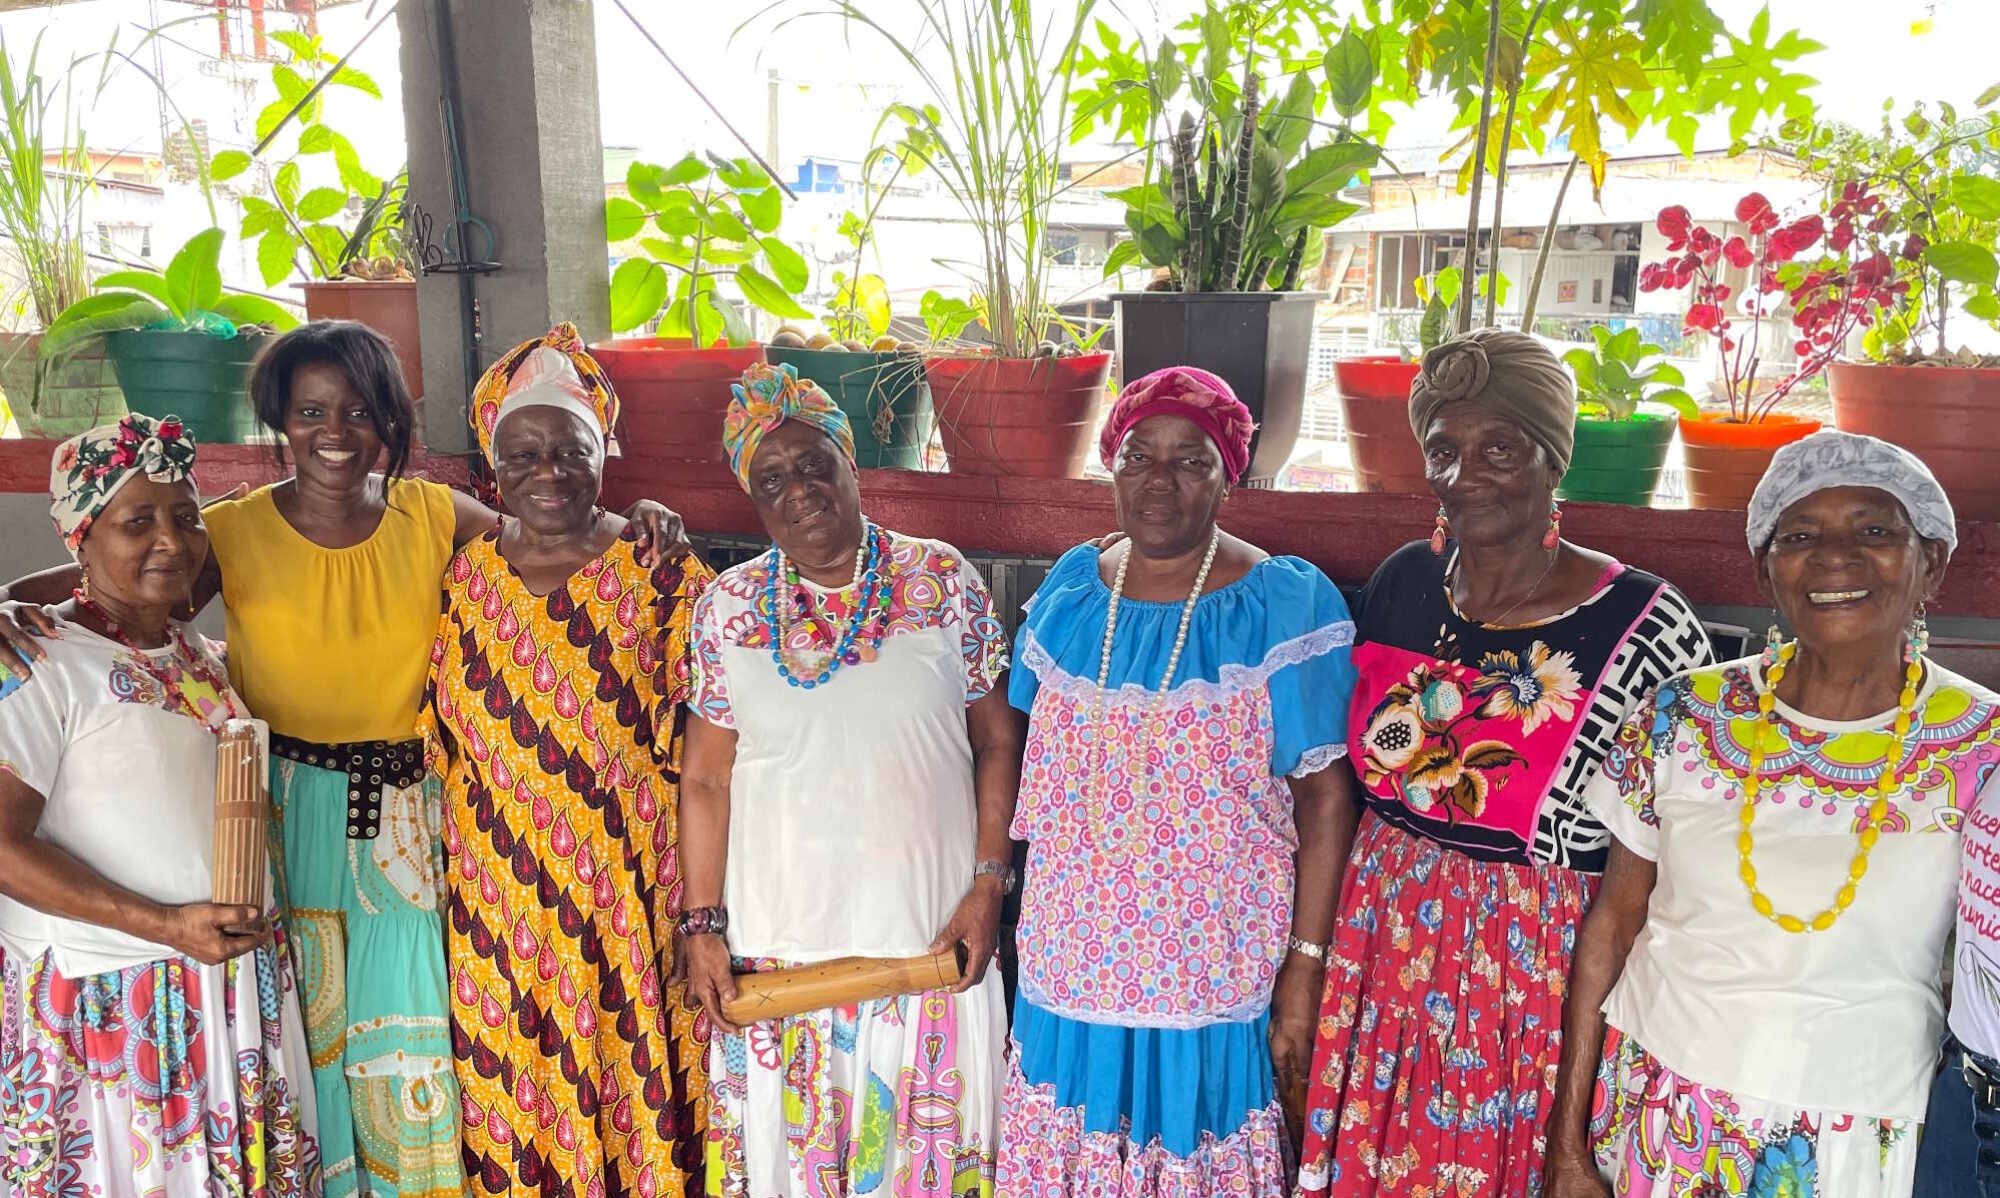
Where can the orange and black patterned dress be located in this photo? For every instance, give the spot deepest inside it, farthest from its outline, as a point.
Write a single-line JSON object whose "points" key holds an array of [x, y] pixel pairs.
{"points": [[556, 721]]}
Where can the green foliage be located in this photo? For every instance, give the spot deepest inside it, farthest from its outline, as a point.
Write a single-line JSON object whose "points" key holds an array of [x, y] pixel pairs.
{"points": [[1573, 65], [1622, 372], [41, 208], [946, 316], [187, 295], [322, 213], [1237, 197], [999, 74], [696, 223], [1915, 205]]}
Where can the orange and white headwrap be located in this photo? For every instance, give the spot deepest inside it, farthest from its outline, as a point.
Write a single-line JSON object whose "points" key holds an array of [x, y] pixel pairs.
{"points": [[553, 370]]}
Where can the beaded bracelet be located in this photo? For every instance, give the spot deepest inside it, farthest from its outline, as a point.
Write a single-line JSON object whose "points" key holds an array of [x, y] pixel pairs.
{"points": [[703, 921]]}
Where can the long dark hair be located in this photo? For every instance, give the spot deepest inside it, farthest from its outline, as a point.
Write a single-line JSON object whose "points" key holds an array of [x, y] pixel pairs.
{"points": [[368, 361]]}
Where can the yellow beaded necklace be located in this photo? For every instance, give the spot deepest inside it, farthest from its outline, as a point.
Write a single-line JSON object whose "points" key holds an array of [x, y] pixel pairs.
{"points": [[1878, 809]]}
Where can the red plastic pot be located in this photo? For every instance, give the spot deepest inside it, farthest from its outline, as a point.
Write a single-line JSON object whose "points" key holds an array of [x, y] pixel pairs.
{"points": [[390, 308], [1947, 415], [1023, 417], [1726, 459], [672, 395], [1375, 405]]}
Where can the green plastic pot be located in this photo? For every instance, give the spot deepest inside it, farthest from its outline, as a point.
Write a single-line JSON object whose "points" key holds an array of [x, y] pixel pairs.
{"points": [[885, 397], [1618, 461], [203, 380]]}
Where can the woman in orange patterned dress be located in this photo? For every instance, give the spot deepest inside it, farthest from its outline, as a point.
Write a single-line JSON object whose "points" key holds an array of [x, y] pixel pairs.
{"points": [[555, 712]]}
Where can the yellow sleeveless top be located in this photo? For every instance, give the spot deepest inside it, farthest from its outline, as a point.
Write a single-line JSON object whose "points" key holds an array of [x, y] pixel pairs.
{"points": [[333, 645]]}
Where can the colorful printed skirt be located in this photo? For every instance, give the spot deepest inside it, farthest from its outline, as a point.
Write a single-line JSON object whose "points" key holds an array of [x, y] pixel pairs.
{"points": [[1439, 1037], [894, 1097], [1094, 1111], [369, 943], [1658, 1135], [169, 1080]]}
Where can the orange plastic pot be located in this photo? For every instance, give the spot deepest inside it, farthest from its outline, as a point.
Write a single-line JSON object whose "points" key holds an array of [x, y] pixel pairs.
{"points": [[1947, 415], [1725, 459], [1375, 405], [1021, 417], [672, 395], [390, 308]]}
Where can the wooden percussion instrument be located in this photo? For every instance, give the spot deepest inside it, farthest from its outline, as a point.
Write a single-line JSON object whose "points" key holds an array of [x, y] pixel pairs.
{"points": [[838, 983], [242, 814]]}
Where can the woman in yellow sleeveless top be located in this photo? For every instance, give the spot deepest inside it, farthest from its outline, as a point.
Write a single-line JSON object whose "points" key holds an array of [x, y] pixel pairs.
{"points": [[331, 584]]}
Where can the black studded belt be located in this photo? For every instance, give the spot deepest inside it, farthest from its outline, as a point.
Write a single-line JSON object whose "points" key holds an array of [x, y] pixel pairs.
{"points": [[369, 765]]}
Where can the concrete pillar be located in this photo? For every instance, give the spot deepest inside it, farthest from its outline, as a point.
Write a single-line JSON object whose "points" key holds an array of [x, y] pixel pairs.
{"points": [[533, 161]]}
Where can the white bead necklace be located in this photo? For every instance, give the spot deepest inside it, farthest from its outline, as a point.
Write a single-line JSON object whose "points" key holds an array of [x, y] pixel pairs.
{"points": [[1099, 719], [791, 595]]}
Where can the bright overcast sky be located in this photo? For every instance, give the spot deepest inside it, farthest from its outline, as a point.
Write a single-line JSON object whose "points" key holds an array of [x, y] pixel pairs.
{"points": [[829, 91]]}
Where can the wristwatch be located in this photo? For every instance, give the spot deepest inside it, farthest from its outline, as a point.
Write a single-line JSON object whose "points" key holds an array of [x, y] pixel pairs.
{"points": [[703, 921], [1003, 870]]}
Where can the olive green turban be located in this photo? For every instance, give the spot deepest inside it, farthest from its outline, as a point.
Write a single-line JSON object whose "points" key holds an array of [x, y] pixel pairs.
{"points": [[1509, 374]]}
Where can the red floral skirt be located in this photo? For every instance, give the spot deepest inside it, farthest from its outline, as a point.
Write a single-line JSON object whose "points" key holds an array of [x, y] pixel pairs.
{"points": [[1439, 1037]]}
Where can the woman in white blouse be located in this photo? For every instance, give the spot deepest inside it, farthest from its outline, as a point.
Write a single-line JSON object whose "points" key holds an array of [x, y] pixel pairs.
{"points": [[150, 1041], [1761, 966]]}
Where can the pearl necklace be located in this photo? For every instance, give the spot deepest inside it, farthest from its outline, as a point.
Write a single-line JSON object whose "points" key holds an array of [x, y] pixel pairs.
{"points": [[1099, 718], [871, 595], [1878, 810]]}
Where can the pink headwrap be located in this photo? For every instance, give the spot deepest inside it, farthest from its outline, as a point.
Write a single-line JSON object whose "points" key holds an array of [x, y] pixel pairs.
{"points": [[1183, 391]]}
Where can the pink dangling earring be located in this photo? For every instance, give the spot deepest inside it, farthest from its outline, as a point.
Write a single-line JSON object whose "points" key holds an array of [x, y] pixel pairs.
{"points": [[1439, 533], [1553, 537]]}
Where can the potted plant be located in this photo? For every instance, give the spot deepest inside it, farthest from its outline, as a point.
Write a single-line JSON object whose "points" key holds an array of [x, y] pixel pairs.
{"points": [[695, 225], [322, 215], [1236, 201], [1019, 402], [1629, 398], [41, 213], [179, 345], [876, 378], [1729, 448], [1914, 219]]}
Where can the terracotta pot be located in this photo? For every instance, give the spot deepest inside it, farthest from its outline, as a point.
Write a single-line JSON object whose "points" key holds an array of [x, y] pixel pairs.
{"points": [[1947, 415], [1375, 406], [672, 395], [389, 308], [1022, 417], [1725, 459]]}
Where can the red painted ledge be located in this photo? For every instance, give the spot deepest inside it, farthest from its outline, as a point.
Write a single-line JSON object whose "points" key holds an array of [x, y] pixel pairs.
{"points": [[1346, 535]]}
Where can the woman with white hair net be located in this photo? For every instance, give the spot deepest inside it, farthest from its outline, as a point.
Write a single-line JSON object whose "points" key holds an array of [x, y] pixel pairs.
{"points": [[1761, 966]]}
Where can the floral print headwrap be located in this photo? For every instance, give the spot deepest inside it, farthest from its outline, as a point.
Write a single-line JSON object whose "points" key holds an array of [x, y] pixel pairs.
{"points": [[554, 370], [766, 398], [89, 468]]}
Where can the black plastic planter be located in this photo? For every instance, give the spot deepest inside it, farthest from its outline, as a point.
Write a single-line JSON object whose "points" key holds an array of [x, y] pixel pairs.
{"points": [[1257, 341]]}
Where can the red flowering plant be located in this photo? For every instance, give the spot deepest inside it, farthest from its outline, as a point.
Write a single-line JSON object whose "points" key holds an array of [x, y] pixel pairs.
{"points": [[1913, 215], [1827, 304]]}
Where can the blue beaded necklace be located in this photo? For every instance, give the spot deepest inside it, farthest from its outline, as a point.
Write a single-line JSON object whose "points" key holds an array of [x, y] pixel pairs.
{"points": [[870, 600]]}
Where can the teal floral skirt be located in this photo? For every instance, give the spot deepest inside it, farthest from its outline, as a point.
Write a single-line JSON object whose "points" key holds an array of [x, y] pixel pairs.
{"points": [[1658, 1135], [369, 943]]}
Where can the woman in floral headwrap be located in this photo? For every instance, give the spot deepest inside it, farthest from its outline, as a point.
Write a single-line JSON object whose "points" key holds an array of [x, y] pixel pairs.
{"points": [[150, 1040], [554, 715], [1187, 816], [849, 775], [1495, 660]]}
